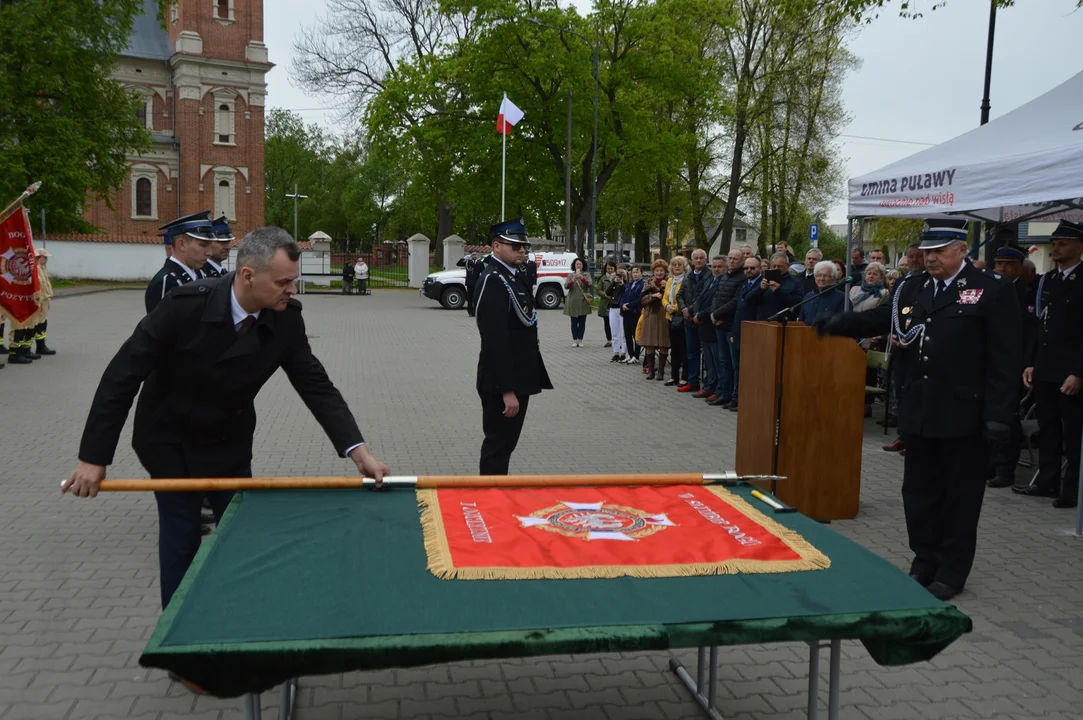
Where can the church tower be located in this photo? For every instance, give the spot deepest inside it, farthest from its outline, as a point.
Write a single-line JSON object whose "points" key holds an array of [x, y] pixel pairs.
{"points": [[218, 73]]}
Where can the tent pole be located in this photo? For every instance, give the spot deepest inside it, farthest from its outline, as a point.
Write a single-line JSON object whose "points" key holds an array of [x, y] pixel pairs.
{"points": [[848, 306]]}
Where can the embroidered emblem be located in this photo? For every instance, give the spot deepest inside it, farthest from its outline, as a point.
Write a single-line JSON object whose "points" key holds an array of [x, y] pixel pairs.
{"points": [[969, 297], [597, 521], [961, 282]]}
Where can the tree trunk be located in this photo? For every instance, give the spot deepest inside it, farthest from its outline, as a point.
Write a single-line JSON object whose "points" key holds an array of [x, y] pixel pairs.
{"points": [[664, 190], [642, 242]]}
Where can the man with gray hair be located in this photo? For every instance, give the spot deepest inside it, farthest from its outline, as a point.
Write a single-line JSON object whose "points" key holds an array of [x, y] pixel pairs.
{"points": [[808, 281], [232, 333]]}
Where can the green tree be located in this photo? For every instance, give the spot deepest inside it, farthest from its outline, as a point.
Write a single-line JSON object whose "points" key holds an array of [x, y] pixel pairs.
{"points": [[295, 155], [64, 120]]}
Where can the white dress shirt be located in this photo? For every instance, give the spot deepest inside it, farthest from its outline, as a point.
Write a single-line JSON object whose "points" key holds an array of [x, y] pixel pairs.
{"points": [[190, 271]]}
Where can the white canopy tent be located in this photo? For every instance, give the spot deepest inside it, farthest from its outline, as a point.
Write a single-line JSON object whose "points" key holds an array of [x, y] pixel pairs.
{"points": [[1023, 165]]}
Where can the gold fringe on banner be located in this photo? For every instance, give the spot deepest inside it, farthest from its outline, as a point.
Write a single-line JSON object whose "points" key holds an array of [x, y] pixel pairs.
{"points": [[442, 565]]}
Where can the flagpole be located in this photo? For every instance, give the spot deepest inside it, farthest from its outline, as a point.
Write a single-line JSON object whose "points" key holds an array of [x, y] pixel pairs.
{"points": [[503, 164], [17, 203]]}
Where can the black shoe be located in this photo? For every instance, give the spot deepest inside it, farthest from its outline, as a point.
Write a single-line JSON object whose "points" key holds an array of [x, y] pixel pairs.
{"points": [[891, 421], [943, 591], [920, 579], [44, 349], [731, 405], [720, 402], [615, 358], [32, 355], [18, 358], [1035, 491], [1000, 482], [1065, 502]]}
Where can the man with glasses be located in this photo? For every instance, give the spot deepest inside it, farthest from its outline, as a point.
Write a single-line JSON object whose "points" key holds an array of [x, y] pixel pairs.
{"points": [[510, 366]]}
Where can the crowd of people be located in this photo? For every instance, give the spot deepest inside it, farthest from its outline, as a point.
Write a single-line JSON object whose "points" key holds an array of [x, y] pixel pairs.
{"points": [[26, 339]]}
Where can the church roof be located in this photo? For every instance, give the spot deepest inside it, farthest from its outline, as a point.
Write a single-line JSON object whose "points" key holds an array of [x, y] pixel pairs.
{"points": [[148, 39]]}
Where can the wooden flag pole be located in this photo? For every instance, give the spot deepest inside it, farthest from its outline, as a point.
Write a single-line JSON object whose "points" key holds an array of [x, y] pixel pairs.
{"points": [[426, 481]]}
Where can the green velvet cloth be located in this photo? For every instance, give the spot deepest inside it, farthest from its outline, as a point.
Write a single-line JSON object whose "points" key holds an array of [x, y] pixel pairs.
{"points": [[311, 582]]}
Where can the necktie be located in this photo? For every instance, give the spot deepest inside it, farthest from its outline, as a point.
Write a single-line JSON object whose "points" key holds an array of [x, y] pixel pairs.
{"points": [[246, 325], [941, 286]]}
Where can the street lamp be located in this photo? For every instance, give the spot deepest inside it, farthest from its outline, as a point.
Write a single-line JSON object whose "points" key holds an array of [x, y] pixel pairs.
{"points": [[297, 196], [594, 164]]}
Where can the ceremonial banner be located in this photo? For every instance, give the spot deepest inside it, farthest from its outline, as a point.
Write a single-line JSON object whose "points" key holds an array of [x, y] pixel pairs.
{"points": [[649, 531], [18, 271]]}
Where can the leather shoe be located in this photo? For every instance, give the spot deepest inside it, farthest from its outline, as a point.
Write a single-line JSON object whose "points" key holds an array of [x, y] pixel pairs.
{"points": [[942, 591], [671, 382], [688, 388], [1000, 482], [1035, 491], [700, 394], [719, 402], [1064, 502], [920, 579], [712, 397], [895, 446]]}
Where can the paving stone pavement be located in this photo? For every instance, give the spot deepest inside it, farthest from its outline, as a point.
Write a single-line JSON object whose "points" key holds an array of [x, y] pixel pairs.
{"points": [[78, 578]]}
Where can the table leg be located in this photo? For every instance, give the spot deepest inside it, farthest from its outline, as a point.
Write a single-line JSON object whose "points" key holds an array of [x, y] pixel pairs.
{"points": [[813, 679], [252, 710], [287, 699], [836, 673], [706, 701]]}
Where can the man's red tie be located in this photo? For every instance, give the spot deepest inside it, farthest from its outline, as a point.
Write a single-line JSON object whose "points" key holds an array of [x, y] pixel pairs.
{"points": [[246, 325]]}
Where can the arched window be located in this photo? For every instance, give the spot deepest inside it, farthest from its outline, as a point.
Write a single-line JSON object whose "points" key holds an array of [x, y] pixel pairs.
{"points": [[223, 199], [143, 198], [225, 122]]}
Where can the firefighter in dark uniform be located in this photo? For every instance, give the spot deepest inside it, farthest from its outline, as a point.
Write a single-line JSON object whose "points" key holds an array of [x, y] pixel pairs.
{"points": [[510, 366], [1009, 263], [189, 237], [218, 251], [1055, 369], [474, 266], [961, 350]]}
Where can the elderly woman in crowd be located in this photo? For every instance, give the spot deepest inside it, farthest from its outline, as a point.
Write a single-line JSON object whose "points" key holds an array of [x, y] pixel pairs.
{"points": [[824, 300], [678, 360], [654, 333], [873, 290], [892, 278]]}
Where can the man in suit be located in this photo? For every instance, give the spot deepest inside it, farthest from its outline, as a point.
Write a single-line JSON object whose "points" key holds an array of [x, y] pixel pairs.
{"points": [[510, 366], [190, 237], [232, 334], [686, 298], [808, 280], [777, 295], [474, 266], [708, 337], [746, 310], [218, 251], [1055, 369], [959, 336]]}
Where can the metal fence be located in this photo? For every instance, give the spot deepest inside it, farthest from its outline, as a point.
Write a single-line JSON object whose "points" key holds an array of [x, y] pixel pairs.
{"points": [[323, 272]]}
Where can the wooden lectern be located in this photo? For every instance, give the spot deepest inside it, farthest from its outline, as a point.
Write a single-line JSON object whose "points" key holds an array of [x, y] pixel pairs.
{"points": [[819, 436]]}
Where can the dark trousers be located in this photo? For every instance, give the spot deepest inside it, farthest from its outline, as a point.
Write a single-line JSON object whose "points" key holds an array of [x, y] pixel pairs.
{"points": [[943, 487], [1060, 427], [692, 353], [677, 354], [608, 330], [1005, 456], [735, 361], [630, 321], [501, 433], [179, 515], [579, 327], [470, 299]]}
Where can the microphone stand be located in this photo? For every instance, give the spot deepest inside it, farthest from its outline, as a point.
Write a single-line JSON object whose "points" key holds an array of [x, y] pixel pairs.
{"points": [[782, 317]]}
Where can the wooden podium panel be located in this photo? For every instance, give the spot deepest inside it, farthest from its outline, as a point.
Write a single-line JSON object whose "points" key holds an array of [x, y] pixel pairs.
{"points": [[822, 422]]}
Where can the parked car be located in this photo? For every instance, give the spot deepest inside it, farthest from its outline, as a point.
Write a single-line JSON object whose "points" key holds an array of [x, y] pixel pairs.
{"points": [[448, 287]]}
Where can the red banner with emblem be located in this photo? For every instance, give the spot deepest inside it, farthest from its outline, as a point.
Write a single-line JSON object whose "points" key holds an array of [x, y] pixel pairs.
{"points": [[655, 531], [18, 267]]}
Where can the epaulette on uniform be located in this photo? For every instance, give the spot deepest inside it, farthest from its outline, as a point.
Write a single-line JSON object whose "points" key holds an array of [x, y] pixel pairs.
{"points": [[192, 289]]}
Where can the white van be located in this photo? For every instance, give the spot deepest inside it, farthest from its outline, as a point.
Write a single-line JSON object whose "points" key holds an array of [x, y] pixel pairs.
{"points": [[449, 286]]}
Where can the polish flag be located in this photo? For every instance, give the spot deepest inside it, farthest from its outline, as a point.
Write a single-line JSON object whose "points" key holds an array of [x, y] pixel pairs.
{"points": [[508, 117]]}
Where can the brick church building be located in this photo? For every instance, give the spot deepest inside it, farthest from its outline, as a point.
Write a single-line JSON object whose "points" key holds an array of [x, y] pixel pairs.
{"points": [[202, 80]]}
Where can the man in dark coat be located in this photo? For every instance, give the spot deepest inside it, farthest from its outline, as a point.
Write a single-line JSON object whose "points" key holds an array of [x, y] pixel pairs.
{"points": [[1055, 369], [510, 366], [722, 311], [686, 297], [189, 237], [708, 338], [778, 295], [231, 334], [747, 297], [960, 337]]}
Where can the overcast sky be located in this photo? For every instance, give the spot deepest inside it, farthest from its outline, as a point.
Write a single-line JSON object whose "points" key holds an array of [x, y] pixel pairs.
{"points": [[920, 80]]}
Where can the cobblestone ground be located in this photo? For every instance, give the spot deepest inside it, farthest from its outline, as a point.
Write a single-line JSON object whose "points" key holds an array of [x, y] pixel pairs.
{"points": [[78, 579]]}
